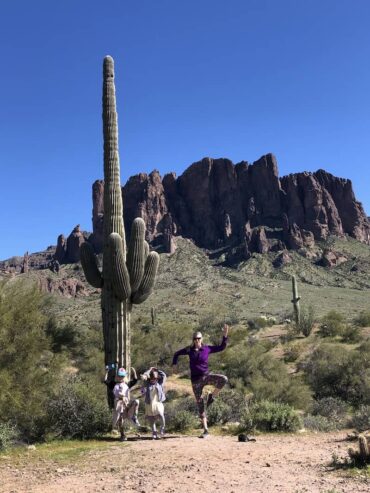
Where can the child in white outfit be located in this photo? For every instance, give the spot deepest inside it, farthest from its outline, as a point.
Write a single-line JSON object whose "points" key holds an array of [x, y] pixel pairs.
{"points": [[124, 408], [153, 389]]}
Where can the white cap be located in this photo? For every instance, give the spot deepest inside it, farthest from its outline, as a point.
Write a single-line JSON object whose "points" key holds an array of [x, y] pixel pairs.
{"points": [[197, 335]]}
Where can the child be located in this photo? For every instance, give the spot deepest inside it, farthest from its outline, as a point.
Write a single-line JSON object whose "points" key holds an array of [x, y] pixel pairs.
{"points": [[153, 390], [124, 408]]}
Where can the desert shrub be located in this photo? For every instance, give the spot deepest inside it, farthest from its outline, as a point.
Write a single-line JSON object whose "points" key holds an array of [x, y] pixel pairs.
{"points": [[270, 416], [265, 376], [306, 321], [62, 336], [330, 407], [28, 368], [319, 423], [292, 352], [363, 319], [219, 413], [8, 433], [351, 333], [261, 322], [336, 371], [361, 418], [78, 410], [181, 414], [332, 324], [182, 421]]}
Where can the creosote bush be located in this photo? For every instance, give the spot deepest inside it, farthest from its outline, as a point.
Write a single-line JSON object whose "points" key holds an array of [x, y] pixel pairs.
{"points": [[363, 319], [8, 433], [306, 321], [332, 324], [361, 418], [78, 410], [270, 416]]}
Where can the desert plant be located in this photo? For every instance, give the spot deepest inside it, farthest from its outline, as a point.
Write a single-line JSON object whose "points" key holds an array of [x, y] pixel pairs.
{"points": [[319, 423], [306, 321], [270, 416], [292, 352], [124, 282], [363, 319], [77, 410], [351, 333], [361, 418], [332, 324], [295, 301], [8, 433], [361, 457]]}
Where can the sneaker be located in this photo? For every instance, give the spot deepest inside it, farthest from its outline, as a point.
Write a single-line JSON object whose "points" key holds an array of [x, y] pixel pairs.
{"points": [[163, 431], [135, 421], [210, 399], [123, 438], [155, 436], [205, 434]]}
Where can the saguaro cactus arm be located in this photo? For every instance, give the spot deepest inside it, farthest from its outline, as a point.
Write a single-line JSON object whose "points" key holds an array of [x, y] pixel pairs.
{"points": [[136, 253], [148, 281], [120, 275], [89, 265]]}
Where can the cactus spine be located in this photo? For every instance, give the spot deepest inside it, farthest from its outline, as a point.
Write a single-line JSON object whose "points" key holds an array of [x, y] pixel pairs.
{"points": [[123, 282], [295, 301]]}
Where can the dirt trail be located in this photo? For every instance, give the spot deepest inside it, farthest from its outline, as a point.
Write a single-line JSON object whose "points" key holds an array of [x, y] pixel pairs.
{"points": [[274, 463]]}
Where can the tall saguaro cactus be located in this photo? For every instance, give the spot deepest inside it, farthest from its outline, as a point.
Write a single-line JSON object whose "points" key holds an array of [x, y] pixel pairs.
{"points": [[128, 276], [295, 301]]}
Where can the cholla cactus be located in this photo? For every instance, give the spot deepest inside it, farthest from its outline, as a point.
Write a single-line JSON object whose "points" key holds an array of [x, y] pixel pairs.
{"points": [[362, 455], [295, 301], [127, 277]]}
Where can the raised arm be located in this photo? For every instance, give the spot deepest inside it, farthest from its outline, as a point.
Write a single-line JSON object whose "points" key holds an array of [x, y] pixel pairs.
{"points": [[222, 346], [181, 352]]}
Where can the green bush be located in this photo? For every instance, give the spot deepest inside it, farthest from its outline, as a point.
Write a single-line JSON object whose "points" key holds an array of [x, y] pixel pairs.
{"points": [[332, 408], [182, 421], [336, 371], [8, 433], [270, 416], [28, 367], [319, 423], [292, 352], [219, 413], [361, 418], [351, 333], [363, 319], [332, 324], [306, 321], [265, 376], [78, 410]]}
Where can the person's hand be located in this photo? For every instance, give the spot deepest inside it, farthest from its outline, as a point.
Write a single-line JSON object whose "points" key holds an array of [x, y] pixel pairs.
{"points": [[175, 369], [225, 330]]}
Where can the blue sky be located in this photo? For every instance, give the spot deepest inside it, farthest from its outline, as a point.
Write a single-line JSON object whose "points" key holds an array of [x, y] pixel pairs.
{"points": [[194, 78]]}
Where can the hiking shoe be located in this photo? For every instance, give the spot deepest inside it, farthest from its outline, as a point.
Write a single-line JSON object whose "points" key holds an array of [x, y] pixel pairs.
{"points": [[155, 436], [163, 431], [210, 399], [205, 434]]}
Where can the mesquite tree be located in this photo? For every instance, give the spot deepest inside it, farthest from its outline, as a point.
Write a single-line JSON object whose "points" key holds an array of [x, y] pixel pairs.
{"points": [[128, 275]]}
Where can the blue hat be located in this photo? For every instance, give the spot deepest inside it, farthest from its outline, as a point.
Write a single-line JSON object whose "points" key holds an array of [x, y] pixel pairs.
{"points": [[121, 372]]}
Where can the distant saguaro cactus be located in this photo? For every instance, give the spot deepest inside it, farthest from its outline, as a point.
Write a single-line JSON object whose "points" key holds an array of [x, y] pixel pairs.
{"points": [[295, 301], [124, 282]]}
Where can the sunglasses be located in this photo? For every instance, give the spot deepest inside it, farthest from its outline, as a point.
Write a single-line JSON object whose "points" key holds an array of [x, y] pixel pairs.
{"points": [[197, 339]]}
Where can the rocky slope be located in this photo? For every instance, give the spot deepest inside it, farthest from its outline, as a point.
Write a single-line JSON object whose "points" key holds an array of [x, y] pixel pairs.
{"points": [[221, 205]]}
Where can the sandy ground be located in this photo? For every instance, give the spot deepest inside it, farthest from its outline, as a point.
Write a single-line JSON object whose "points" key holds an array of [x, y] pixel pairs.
{"points": [[274, 463]]}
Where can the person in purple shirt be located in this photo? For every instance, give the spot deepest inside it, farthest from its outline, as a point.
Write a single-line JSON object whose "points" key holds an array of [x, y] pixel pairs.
{"points": [[200, 377]]}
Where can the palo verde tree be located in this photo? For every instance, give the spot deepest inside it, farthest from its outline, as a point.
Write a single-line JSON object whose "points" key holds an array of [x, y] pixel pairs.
{"points": [[128, 274]]}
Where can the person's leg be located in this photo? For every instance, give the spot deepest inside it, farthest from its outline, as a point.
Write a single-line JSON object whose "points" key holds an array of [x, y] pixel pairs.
{"points": [[198, 389], [132, 410], [153, 425], [163, 423], [218, 381]]}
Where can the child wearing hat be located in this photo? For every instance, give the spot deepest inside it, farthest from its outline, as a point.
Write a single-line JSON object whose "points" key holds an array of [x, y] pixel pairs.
{"points": [[153, 390], [123, 407]]}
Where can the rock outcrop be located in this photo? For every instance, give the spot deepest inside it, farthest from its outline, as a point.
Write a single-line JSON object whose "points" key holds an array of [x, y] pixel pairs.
{"points": [[219, 204]]}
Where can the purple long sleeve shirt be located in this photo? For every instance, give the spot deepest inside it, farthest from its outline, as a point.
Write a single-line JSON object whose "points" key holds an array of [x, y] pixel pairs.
{"points": [[199, 358]]}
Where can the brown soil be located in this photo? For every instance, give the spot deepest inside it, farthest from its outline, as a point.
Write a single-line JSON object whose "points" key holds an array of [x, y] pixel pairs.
{"points": [[274, 463]]}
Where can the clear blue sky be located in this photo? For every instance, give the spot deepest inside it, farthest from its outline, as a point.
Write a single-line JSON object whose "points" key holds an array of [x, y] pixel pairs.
{"points": [[194, 78]]}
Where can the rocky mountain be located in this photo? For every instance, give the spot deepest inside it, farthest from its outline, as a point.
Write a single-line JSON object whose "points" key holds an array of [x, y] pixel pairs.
{"points": [[243, 208]]}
